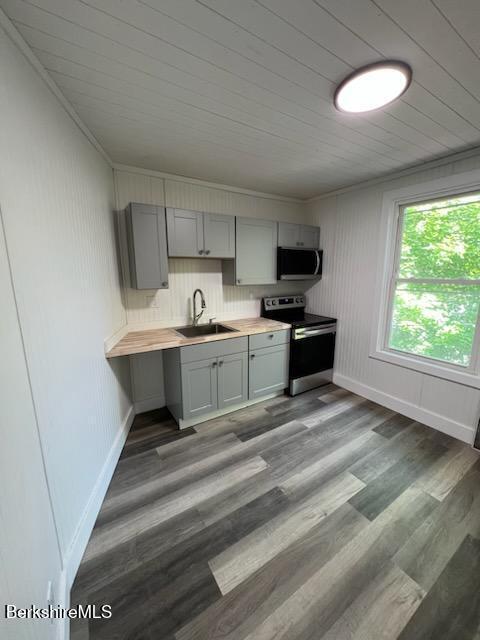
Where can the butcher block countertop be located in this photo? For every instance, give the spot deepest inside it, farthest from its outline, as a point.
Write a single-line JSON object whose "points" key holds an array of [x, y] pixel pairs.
{"points": [[167, 338]]}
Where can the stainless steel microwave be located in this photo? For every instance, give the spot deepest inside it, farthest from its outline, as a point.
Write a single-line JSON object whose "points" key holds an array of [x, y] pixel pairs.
{"points": [[299, 264]]}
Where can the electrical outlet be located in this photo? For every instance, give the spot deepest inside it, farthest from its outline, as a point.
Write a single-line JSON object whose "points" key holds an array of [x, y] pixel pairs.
{"points": [[50, 597], [151, 301], [50, 594]]}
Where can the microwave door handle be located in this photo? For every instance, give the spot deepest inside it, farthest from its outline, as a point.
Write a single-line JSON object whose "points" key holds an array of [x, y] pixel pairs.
{"points": [[317, 267]]}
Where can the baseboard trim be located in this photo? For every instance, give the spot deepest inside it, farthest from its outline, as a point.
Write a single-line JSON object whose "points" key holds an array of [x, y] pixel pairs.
{"points": [[85, 527], [157, 402], [434, 420]]}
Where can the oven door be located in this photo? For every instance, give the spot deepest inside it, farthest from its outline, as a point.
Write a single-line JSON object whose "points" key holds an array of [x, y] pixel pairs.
{"points": [[311, 350], [299, 264]]}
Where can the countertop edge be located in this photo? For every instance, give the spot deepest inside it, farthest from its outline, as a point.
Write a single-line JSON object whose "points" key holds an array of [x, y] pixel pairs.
{"points": [[118, 350]]}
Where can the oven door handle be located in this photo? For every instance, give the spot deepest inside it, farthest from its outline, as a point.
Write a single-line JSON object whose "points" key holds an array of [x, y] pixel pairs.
{"points": [[309, 333]]}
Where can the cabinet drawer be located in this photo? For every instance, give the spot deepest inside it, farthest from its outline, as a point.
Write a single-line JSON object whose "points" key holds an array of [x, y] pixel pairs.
{"points": [[213, 349], [271, 339]]}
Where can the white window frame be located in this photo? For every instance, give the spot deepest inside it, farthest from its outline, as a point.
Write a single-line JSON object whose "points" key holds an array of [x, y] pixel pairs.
{"points": [[390, 237]]}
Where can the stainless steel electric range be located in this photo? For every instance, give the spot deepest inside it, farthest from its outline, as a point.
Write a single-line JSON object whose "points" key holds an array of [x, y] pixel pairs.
{"points": [[312, 341]]}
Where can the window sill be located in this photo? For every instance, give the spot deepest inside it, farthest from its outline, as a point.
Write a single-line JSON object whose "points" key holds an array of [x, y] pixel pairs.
{"points": [[436, 370]]}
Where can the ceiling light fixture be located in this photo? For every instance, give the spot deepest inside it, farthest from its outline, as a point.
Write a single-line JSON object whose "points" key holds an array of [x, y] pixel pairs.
{"points": [[373, 86]]}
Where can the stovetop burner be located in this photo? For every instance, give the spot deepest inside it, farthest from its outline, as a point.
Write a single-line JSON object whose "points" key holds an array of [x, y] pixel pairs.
{"points": [[291, 309], [310, 319]]}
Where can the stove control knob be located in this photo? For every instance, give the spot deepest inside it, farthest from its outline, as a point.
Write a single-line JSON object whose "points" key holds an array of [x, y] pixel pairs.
{"points": [[274, 302], [298, 300], [268, 303]]}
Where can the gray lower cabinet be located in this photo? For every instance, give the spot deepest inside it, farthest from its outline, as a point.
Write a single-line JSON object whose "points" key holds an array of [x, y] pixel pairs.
{"points": [[205, 377], [256, 253], [268, 370], [197, 234], [232, 379], [147, 246], [213, 384], [199, 387]]}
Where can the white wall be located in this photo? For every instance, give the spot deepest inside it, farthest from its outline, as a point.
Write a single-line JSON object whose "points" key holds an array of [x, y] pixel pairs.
{"points": [[350, 224], [172, 306], [57, 199], [29, 551]]}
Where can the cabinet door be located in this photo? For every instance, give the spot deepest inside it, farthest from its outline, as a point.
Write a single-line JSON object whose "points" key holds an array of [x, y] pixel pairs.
{"points": [[185, 233], [219, 235], [256, 251], [147, 246], [232, 379], [288, 234], [309, 236], [268, 370], [199, 387]]}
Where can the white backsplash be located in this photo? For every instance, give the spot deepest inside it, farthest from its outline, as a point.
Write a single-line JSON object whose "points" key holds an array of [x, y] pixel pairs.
{"points": [[173, 306]]}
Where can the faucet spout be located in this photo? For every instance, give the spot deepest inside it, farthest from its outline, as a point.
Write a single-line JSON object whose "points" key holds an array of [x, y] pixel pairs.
{"points": [[197, 316]]}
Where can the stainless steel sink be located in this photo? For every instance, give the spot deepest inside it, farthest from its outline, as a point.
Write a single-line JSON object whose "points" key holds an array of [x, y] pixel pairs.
{"points": [[204, 330]]}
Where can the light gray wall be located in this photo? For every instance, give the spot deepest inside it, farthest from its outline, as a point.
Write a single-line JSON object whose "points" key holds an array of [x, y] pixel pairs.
{"points": [[350, 224], [29, 551], [57, 200]]}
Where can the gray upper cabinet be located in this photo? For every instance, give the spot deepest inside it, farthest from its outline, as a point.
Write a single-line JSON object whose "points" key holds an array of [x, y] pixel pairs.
{"points": [[219, 235], [199, 387], [309, 236], [147, 246], [256, 252], [288, 234], [196, 234], [185, 233], [298, 235], [232, 379]]}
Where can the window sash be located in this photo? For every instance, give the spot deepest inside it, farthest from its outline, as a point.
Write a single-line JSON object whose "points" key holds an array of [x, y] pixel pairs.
{"points": [[474, 365]]}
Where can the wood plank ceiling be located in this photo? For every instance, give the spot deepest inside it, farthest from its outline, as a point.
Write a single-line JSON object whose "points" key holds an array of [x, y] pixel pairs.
{"points": [[240, 91]]}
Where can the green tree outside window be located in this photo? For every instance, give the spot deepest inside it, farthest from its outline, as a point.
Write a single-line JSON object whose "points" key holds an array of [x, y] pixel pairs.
{"points": [[437, 286]]}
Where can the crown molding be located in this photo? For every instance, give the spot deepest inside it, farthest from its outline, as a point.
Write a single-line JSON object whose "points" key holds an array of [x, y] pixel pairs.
{"points": [[424, 166], [204, 183], [17, 39]]}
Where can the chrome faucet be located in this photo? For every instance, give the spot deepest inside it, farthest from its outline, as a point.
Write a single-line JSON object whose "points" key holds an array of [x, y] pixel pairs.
{"points": [[197, 316]]}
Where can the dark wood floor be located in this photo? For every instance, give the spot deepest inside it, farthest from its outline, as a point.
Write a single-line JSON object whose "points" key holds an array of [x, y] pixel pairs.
{"points": [[320, 516]]}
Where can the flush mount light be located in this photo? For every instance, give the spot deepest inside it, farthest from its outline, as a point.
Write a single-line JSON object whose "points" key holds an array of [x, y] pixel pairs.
{"points": [[373, 86]]}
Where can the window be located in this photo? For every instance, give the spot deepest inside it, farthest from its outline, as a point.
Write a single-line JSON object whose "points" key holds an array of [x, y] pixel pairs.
{"points": [[433, 305]]}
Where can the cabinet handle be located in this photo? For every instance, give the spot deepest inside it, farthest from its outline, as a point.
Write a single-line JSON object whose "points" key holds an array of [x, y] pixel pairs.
{"points": [[238, 281], [164, 284], [214, 364], [271, 336], [298, 244], [252, 356], [220, 363], [200, 251], [207, 252]]}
